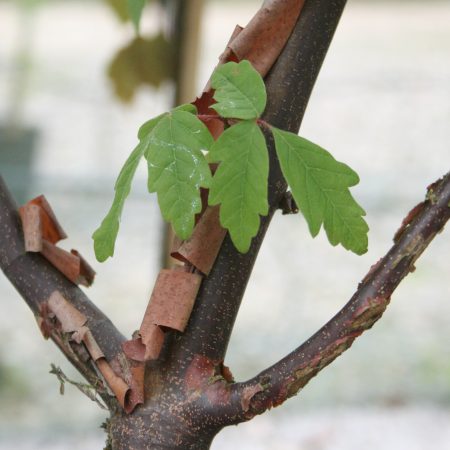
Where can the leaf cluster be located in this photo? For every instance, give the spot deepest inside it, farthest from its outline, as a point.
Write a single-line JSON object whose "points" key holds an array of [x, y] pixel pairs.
{"points": [[179, 149]]}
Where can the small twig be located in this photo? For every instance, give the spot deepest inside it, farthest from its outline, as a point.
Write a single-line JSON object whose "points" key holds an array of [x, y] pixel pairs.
{"points": [[86, 389], [263, 124]]}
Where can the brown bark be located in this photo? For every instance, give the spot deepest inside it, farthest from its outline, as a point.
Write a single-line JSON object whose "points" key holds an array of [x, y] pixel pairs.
{"points": [[36, 279], [189, 394], [288, 376]]}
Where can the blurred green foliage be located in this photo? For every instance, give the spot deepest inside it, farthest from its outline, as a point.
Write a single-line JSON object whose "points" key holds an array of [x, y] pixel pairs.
{"points": [[144, 61]]}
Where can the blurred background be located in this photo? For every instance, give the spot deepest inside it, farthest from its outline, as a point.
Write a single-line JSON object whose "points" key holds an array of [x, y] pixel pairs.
{"points": [[76, 83]]}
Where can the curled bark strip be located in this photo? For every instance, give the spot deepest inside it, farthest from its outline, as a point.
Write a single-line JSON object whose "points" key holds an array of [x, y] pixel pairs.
{"points": [[147, 346], [133, 373], [262, 40], [136, 383], [170, 306], [85, 273], [74, 322], [48, 223], [285, 378], [153, 339], [32, 227], [215, 126], [202, 247], [72, 265], [119, 388], [172, 300], [134, 349], [228, 54], [289, 85], [204, 102], [84, 335], [68, 316], [42, 231], [129, 389], [67, 263], [36, 280]]}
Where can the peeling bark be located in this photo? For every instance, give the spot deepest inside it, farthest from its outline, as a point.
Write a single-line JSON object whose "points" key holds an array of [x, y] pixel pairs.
{"points": [[174, 366]]}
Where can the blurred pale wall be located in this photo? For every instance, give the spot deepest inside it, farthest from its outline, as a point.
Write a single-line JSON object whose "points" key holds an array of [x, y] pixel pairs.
{"points": [[381, 104]]}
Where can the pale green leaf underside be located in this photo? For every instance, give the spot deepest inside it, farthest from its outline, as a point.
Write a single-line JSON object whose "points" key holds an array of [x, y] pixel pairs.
{"points": [[135, 8], [177, 168], [239, 91], [240, 182], [320, 185], [105, 236]]}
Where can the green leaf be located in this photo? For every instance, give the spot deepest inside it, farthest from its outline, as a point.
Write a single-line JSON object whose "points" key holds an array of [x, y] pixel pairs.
{"points": [[141, 62], [240, 182], [177, 168], [105, 236], [148, 126], [187, 107], [239, 91], [320, 185], [135, 8]]}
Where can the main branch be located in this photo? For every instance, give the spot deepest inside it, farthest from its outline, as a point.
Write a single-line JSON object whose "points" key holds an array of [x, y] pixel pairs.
{"points": [[289, 85]]}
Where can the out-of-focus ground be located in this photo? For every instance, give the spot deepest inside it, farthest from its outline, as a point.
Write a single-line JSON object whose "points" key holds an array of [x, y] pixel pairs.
{"points": [[382, 105]]}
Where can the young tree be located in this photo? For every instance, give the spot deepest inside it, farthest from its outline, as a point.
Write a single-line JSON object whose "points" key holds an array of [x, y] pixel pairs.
{"points": [[167, 388]]}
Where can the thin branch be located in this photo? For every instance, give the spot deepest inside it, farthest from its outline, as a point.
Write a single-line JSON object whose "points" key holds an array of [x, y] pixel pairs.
{"points": [[285, 378], [36, 279], [289, 85]]}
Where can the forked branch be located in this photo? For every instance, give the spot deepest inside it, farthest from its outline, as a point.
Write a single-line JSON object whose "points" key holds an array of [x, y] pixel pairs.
{"points": [[285, 378]]}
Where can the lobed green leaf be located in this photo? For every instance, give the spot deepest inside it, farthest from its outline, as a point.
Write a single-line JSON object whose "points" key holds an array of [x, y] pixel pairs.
{"points": [[320, 185], [147, 127], [177, 168], [105, 236], [239, 91], [240, 182]]}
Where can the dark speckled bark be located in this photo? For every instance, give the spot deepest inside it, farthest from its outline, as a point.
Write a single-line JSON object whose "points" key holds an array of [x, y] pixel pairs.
{"points": [[35, 279], [189, 394], [185, 389], [285, 378], [289, 86], [194, 419]]}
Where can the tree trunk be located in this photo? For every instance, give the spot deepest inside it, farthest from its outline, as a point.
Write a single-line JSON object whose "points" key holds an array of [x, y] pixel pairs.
{"points": [[189, 395], [183, 410]]}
